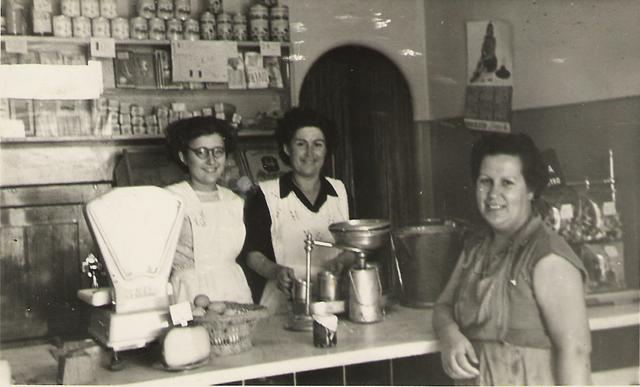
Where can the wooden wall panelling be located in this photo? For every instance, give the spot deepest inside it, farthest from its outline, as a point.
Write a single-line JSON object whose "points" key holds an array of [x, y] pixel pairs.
{"points": [[17, 318], [43, 246]]}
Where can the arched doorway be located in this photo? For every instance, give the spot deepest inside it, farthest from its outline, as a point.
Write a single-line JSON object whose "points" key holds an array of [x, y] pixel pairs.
{"points": [[368, 98]]}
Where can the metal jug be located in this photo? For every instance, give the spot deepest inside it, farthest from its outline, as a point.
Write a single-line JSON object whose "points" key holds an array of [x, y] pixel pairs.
{"points": [[365, 294]]}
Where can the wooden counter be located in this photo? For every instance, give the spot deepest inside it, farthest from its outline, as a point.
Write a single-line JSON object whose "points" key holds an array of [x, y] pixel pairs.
{"points": [[404, 332]]}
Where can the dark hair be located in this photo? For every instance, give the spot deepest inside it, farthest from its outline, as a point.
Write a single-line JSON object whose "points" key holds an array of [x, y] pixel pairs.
{"points": [[180, 133], [297, 118], [520, 145]]}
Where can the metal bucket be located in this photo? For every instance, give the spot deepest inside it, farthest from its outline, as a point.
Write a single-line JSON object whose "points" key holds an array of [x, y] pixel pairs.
{"points": [[425, 256]]}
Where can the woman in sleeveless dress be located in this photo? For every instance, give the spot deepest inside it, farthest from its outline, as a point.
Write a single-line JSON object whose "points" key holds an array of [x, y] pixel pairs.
{"points": [[513, 311]]}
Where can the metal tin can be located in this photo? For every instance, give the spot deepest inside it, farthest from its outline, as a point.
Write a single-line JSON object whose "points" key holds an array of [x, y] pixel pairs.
{"points": [[165, 9], [259, 20], [174, 29], [70, 8], [191, 29], [147, 8], [41, 22], [328, 286], [90, 8], [62, 26], [42, 6], [101, 27], [120, 28], [157, 29], [108, 9], [300, 290], [138, 129], [136, 110], [279, 23], [138, 28], [215, 6], [81, 27], [224, 27], [279, 12], [182, 9], [16, 18], [239, 27], [207, 26], [137, 120], [279, 29]]}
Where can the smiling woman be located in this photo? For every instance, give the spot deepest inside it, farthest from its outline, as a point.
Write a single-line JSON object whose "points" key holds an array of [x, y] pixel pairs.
{"points": [[283, 210], [213, 231], [513, 311]]}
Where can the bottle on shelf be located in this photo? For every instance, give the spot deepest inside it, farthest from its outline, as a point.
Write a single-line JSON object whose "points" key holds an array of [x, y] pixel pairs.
{"points": [[16, 18]]}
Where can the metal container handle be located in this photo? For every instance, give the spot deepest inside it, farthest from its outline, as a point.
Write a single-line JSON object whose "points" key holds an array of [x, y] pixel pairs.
{"points": [[395, 261], [355, 288]]}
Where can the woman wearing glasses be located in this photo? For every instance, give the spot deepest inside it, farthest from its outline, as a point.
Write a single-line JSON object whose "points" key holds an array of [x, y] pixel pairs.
{"points": [[284, 210], [213, 230]]}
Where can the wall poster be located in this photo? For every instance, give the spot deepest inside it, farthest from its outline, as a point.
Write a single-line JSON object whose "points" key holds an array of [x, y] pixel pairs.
{"points": [[489, 76]]}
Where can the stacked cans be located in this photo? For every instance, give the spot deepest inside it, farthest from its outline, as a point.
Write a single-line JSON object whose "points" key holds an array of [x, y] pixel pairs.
{"points": [[41, 16], [259, 20], [279, 23], [165, 19], [269, 23], [126, 118], [85, 18]]}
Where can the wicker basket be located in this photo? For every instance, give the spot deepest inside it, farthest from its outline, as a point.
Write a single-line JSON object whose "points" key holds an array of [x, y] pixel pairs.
{"points": [[230, 334]]}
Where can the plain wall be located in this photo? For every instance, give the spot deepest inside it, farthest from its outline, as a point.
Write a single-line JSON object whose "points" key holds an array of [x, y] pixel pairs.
{"points": [[564, 52], [393, 28]]}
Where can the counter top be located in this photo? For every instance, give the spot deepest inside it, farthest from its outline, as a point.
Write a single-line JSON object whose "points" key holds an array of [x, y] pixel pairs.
{"points": [[403, 332]]}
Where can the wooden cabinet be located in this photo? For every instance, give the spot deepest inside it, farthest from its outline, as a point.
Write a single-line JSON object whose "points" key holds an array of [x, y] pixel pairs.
{"points": [[45, 181]]}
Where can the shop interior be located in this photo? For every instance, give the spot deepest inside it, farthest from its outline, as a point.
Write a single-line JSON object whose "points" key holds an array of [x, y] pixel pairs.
{"points": [[392, 75]]}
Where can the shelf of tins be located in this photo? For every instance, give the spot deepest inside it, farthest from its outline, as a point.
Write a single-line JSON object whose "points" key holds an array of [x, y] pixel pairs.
{"points": [[130, 42], [114, 138]]}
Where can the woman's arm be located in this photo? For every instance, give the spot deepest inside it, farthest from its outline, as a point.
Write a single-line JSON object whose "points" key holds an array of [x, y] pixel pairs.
{"points": [[559, 291], [270, 270], [455, 349]]}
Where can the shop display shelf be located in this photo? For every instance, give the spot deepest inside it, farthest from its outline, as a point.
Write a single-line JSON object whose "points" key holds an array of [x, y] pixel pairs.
{"points": [[130, 42], [115, 138]]}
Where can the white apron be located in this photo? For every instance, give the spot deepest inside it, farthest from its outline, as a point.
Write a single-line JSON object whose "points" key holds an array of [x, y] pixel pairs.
{"points": [[290, 223], [218, 236]]}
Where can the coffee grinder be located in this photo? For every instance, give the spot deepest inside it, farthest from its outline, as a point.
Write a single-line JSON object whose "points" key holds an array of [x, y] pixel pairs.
{"points": [[360, 236]]}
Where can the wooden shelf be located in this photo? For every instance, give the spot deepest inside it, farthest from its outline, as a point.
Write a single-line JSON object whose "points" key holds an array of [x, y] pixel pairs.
{"points": [[130, 42], [116, 138]]}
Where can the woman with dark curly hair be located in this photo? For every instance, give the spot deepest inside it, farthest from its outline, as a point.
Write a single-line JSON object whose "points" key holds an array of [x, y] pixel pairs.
{"points": [[284, 210], [213, 231], [513, 311]]}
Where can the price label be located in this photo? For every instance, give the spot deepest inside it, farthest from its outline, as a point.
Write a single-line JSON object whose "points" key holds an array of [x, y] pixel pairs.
{"points": [[270, 48], [103, 47], [17, 46], [609, 208], [181, 313], [611, 251], [566, 211]]}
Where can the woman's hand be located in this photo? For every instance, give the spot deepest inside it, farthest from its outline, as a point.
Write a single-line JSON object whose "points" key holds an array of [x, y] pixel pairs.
{"points": [[457, 354], [285, 277]]}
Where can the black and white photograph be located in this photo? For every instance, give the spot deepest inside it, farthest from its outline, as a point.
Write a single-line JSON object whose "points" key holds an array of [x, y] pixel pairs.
{"points": [[319, 192]]}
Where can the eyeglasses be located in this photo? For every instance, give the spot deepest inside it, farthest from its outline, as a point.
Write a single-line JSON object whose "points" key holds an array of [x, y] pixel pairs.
{"points": [[204, 153]]}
